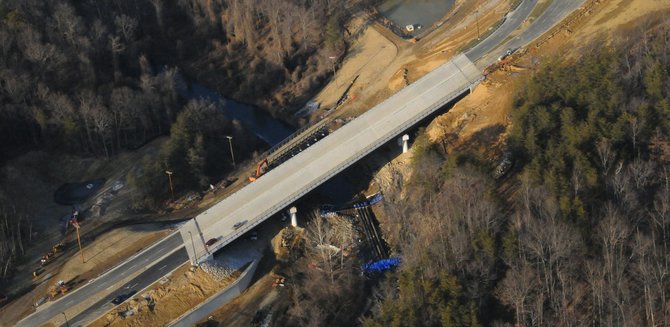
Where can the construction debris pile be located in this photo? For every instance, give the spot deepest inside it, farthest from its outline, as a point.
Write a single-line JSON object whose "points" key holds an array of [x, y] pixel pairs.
{"points": [[217, 270], [168, 299]]}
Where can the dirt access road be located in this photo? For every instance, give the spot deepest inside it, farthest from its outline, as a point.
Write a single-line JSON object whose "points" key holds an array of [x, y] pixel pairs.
{"points": [[486, 112], [479, 121]]}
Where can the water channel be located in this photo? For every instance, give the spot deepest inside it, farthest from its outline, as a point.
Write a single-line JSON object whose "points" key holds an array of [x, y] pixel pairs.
{"points": [[259, 122], [267, 128]]}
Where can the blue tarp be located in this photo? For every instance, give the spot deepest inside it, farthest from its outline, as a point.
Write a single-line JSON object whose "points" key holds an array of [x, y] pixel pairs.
{"points": [[373, 199], [381, 265]]}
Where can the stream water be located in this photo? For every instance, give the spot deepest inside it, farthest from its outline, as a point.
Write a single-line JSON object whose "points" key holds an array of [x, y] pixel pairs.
{"points": [[259, 122], [270, 130]]}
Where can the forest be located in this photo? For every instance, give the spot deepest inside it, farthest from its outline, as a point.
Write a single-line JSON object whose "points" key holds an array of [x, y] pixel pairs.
{"points": [[95, 78], [582, 241]]}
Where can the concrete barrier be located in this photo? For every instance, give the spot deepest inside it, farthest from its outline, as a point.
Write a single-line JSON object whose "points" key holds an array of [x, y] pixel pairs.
{"points": [[204, 309]]}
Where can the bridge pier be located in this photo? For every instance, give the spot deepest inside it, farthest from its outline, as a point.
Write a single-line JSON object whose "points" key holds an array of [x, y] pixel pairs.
{"points": [[294, 216], [405, 143]]}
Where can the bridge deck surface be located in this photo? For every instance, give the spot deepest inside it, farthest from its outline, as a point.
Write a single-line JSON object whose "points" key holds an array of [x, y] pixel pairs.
{"points": [[283, 185]]}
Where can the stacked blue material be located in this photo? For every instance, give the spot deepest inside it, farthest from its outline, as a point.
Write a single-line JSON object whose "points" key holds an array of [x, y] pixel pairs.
{"points": [[381, 265]]}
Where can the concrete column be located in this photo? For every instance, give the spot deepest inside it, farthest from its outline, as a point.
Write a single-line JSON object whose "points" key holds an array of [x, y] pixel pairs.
{"points": [[294, 216], [405, 145]]}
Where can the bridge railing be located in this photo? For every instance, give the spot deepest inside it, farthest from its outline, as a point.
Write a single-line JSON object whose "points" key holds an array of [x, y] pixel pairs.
{"points": [[332, 172]]}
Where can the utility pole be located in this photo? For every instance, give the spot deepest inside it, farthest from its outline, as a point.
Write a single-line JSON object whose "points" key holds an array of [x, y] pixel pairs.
{"points": [[169, 173], [75, 223], [230, 142]]}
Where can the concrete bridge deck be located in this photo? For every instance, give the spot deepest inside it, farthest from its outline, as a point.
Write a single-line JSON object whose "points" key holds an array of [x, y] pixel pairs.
{"points": [[288, 182]]}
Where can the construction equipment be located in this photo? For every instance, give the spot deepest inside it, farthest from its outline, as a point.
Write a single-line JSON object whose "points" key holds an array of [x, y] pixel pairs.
{"points": [[504, 62], [59, 288], [261, 169]]}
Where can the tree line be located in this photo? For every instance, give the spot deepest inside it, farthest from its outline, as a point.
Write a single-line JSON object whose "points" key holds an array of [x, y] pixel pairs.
{"points": [[94, 78], [584, 238], [77, 77], [88, 77], [275, 54]]}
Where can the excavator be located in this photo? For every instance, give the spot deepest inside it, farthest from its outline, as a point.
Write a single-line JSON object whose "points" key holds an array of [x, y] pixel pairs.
{"points": [[261, 169]]}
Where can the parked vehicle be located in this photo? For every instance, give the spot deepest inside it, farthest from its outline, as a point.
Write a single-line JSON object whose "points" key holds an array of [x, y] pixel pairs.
{"points": [[211, 241]]}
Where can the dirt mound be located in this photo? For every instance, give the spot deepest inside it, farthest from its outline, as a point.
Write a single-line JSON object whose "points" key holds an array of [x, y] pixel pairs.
{"points": [[167, 300]]}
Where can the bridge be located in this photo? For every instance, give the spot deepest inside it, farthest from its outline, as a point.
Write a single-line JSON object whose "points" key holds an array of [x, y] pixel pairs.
{"points": [[286, 183]]}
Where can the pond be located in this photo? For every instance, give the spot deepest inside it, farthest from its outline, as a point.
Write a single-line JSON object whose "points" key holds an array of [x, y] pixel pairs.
{"points": [[415, 12]]}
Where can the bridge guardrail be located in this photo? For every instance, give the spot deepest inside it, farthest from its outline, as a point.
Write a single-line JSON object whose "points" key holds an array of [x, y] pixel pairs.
{"points": [[332, 172]]}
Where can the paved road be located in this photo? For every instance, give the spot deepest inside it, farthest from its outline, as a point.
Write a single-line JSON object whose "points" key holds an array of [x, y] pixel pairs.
{"points": [[512, 21], [285, 184], [309, 168], [144, 279], [553, 15], [102, 284]]}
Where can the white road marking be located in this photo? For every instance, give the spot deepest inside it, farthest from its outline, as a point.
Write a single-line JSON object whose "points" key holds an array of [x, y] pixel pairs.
{"points": [[161, 268]]}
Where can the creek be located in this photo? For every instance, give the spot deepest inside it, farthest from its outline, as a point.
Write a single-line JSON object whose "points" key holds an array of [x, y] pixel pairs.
{"points": [[254, 119]]}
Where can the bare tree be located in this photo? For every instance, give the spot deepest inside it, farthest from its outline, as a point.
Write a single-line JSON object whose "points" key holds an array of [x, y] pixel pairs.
{"points": [[614, 232], [88, 106], [641, 172], [67, 24], [125, 26], [605, 154], [516, 288], [158, 10], [102, 121]]}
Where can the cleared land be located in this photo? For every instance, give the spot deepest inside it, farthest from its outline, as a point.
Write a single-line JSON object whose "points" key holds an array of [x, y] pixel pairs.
{"points": [[378, 78]]}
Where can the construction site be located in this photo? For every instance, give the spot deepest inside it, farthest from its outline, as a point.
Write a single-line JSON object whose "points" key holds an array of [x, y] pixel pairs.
{"points": [[88, 229]]}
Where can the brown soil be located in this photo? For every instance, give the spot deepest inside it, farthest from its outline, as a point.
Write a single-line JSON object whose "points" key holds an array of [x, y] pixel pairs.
{"points": [[380, 59], [261, 295], [34, 178], [165, 302], [103, 254], [481, 119]]}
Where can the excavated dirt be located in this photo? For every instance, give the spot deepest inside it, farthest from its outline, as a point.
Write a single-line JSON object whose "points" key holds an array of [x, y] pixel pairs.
{"points": [[167, 299], [385, 63]]}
